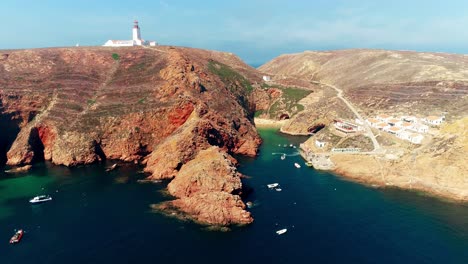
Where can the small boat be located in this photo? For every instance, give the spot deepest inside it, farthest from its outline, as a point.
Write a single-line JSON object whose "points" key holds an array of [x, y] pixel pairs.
{"points": [[291, 145], [40, 199], [283, 156], [297, 165], [16, 238], [278, 189], [285, 145], [249, 204], [281, 231], [272, 185], [111, 168], [309, 164]]}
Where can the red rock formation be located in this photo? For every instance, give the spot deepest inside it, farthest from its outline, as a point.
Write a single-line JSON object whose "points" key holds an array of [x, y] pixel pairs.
{"points": [[207, 189], [157, 106]]}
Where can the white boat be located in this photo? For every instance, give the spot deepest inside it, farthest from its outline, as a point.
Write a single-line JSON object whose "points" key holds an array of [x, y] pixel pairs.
{"points": [[291, 145], [40, 199], [281, 231], [283, 156], [278, 189], [272, 185], [297, 165]]}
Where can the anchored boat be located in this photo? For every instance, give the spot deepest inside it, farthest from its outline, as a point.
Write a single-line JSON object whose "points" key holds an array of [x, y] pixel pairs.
{"points": [[16, 238], [281, 231], [40, 199], [272, 185]]}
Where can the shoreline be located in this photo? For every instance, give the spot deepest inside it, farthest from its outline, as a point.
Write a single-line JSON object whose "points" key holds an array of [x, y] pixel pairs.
{"points": [[369, 171], [366, 178]]}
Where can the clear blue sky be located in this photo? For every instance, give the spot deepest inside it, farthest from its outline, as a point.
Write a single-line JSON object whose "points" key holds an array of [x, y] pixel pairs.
{"points": [[256, 30]]}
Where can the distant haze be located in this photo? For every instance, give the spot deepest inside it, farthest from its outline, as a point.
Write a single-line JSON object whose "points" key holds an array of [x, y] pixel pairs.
{"points": [[256, 30]]}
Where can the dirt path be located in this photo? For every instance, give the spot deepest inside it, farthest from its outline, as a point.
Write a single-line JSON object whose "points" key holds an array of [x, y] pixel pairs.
{"points": [[370, 134]]}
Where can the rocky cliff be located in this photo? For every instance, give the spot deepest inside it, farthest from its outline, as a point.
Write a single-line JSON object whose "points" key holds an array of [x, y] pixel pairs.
{"points": [[395, 83], [160, 106]]}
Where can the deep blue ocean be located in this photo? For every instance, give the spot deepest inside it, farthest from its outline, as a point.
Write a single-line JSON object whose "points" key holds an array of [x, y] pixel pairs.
{"points": [[104, 217]]}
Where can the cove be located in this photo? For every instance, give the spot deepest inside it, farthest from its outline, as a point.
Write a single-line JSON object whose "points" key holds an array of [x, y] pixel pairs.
{"points": [[104, 217]]}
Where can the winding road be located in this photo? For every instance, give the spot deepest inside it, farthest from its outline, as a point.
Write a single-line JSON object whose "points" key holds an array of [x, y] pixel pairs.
{"points": [[369, 132]]}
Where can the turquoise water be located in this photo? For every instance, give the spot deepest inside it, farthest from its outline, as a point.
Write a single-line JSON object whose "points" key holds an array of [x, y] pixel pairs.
{"points": [[99, 217]]}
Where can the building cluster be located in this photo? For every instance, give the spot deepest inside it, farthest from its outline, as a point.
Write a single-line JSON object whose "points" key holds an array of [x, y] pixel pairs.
{"points": [[135, 41], [408, 128], [346, 126]]}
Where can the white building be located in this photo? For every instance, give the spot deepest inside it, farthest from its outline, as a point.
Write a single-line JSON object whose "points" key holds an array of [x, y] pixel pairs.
{"points": [[266, 78], [383, 117], [372, 122], [319, 144], [392, 130], [136, 40], [434, 120], [410, 119], [411, 137], [420, 128]]}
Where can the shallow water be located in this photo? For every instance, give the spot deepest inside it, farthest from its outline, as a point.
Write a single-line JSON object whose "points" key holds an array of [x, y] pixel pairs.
{"points": [[99, 217]]}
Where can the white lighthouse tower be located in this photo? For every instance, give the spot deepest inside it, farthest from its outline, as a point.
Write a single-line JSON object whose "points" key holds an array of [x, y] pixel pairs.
{"points": [[136, 33], [136, 39]]}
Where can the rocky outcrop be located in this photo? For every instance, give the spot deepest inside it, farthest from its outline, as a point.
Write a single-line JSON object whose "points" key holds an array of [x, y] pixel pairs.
{"points": [[208, 189], [158, 106], [215, 208]]}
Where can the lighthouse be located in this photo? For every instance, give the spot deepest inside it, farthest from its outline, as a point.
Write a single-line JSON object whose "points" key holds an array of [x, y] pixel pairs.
{"points": [[136, 39], [136, 33]]}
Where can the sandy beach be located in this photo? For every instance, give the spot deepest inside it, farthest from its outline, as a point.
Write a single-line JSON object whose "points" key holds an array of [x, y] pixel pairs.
{"points": [[261, 122]]}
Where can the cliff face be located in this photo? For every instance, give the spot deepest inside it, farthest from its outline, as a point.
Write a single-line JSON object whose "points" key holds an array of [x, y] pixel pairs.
{"points": [[395, 83], [160, 106]]}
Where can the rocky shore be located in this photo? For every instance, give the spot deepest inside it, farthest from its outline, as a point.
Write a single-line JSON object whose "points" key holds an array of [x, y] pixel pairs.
{"points": [[155, 106]]}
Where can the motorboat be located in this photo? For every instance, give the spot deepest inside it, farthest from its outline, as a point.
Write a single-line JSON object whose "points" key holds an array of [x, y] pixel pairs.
{"points": [[16, 238], [297, 165], [281, 231], [40, 199], [283, 156], [272, 185], [278, 189]]}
